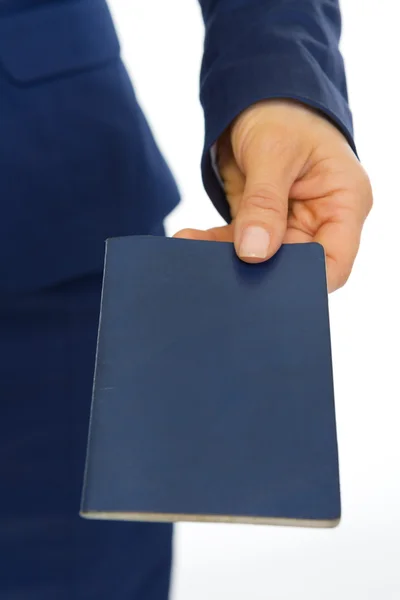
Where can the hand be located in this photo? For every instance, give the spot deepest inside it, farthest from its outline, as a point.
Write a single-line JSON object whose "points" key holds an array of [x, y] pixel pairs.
{"points": [[290, 176]]}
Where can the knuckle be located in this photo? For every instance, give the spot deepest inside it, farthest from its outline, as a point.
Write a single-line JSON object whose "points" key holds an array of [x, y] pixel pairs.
{"points": [[265, 198], [368, 194], [343, 279], [364, 190], [338, 274], [285, 144], [277, 140]]}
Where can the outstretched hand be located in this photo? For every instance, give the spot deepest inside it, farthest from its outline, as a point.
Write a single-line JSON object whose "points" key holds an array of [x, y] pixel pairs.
{"points": [[291, 176]]}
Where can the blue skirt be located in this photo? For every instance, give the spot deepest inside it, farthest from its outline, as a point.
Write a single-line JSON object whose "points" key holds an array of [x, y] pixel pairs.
{"points": [[47, 552]]}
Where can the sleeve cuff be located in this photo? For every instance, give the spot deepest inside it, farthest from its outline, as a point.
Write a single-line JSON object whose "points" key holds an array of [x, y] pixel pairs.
{"points": [[226, 92]]}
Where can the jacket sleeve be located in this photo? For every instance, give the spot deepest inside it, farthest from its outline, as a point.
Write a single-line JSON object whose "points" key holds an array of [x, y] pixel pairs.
{"points": [[260, 49]]}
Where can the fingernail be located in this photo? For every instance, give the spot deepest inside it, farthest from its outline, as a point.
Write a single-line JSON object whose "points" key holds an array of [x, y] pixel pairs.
{"points": [[255, 243]]}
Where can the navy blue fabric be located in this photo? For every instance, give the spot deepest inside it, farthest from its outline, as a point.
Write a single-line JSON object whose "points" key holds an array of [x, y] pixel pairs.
{"points": [[79, 164], [260, 49], [47, 552]]}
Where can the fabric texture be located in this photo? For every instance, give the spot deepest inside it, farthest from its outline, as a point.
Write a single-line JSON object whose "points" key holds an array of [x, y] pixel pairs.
{"points": [[79, 164], [78, 160], [262, 49], [48, 552]]}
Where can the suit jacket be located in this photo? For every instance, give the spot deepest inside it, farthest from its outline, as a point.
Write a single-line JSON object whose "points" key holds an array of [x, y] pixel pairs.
{"points": [[78, 162]]}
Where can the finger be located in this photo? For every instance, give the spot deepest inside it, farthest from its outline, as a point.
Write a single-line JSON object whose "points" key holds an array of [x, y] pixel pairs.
{"points": [[341, 241], [261, 220], [216, 234], [296, 236]]}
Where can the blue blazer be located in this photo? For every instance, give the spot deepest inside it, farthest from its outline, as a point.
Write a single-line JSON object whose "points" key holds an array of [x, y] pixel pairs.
{"points": [[78, 162]]}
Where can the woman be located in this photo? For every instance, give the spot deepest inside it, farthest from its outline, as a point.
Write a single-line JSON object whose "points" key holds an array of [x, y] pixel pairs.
{"points": [[78, 164]]}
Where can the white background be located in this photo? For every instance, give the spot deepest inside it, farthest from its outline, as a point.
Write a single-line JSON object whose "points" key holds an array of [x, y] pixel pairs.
{"points": [[162, 45]]}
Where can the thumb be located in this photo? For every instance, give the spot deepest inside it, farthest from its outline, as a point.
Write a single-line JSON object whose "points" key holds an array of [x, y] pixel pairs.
{"points": [[261, 220]]}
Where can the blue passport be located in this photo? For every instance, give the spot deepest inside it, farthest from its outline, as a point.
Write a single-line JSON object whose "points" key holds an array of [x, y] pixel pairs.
{"points": [[213, 393]]}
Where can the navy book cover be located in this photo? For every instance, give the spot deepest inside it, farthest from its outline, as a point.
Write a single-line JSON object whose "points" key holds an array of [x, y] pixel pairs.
{"points": [[213, 394]]}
